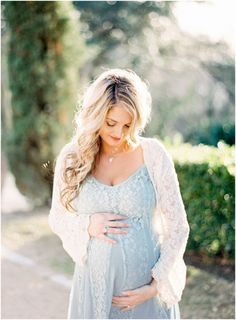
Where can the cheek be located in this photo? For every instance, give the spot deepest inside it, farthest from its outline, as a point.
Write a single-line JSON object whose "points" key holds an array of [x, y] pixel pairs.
{"points": [[105, 131]]}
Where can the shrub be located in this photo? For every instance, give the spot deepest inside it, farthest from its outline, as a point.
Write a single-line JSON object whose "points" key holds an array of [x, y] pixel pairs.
{"points": [[206, 176]]}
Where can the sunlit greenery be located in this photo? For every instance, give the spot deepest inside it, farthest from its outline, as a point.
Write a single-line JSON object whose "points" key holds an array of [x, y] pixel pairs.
{"points": [[207, 176], [53, 49], [191, 79], [43, 62]]}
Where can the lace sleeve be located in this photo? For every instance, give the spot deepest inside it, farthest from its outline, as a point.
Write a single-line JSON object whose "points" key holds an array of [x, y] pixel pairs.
{"points": [[72, 228], [170, 269]]}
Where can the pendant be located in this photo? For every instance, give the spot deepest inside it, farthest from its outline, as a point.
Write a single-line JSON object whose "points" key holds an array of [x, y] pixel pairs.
{"points": [[110, 159]]}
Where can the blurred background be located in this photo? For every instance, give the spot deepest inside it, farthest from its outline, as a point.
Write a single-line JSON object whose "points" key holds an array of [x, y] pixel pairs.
{"points": [[51, 51]]}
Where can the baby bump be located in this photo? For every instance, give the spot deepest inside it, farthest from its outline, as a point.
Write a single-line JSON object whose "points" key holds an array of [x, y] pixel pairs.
{"points": [[130, 260], [138, 254]]}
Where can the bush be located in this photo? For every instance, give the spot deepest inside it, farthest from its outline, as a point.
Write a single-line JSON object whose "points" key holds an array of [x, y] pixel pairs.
{"points": [[206, 176]]}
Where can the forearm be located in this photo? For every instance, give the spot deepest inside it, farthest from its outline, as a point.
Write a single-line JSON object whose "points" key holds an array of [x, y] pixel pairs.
{"points": [[153, 286]]}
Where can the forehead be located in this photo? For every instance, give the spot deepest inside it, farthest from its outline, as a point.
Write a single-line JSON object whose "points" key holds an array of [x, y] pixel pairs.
{"points": [[119, 114]]}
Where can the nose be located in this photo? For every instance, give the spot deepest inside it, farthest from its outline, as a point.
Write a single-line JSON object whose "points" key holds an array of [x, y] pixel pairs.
{"points": [[118, 133]]}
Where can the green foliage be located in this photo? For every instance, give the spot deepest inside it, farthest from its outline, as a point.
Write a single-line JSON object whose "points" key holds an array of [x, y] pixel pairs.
{"points": [[119, 16], [43, 61], [207, 176], [121, 25], [224, 73], [212, 132], [192, 84], [217, 125]]}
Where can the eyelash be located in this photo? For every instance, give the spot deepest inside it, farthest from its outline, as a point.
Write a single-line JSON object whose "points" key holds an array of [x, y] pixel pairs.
{"points": [[112, 125]]}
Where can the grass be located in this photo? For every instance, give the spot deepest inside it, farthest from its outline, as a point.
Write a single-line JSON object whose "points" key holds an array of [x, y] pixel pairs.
{"points": [[208, 294]]}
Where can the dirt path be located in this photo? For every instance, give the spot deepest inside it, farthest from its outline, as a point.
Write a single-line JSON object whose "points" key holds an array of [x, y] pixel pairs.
{"points": [[30, 289], [29, 293]]}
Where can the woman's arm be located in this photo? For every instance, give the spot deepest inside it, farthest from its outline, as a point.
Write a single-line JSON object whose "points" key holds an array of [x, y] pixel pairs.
{"points": [[170, 270], [71, 228]]}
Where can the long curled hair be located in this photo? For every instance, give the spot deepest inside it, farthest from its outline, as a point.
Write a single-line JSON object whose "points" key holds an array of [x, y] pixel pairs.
{"points": [[112, 87]]}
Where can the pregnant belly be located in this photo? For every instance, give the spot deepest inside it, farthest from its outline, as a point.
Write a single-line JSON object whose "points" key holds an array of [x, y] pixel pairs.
{"points": [[130, 260]]}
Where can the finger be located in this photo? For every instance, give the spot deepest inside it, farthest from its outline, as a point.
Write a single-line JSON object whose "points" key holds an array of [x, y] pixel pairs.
{"points": [[116, 231], [117, 305], [107, 239], [118, 224], [123, 296], [120, 300], [121, 305], [129, 292], [116, 216], [127, 308]]}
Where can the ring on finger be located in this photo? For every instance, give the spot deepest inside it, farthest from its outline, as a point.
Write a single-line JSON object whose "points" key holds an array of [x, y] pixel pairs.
{"points": [[106, 228], [128, 307]]}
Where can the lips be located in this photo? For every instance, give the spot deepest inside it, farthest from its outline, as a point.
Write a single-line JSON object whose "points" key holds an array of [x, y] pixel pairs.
{"points": [[117, 139]]}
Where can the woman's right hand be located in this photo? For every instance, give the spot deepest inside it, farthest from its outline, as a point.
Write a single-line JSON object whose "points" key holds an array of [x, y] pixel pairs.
{"points": [[98, 222]]}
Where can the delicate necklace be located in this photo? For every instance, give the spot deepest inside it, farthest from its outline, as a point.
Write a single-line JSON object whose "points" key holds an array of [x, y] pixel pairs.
{"points": [[111, 157]]}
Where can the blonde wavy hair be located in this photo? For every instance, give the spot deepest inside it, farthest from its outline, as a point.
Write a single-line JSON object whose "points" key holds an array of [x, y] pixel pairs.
{"points": [[112, 87]]}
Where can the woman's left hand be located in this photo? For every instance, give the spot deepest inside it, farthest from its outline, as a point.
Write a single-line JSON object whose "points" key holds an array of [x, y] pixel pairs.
{"points": [[131, 298]]}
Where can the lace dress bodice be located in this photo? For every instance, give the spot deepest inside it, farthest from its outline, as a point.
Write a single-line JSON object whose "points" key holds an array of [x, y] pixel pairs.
{"points": [[170, 269], [131, 199], [128, 264]]}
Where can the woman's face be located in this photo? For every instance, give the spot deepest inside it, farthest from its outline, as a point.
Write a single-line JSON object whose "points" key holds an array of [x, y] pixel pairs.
{"points": [[116, 126]]}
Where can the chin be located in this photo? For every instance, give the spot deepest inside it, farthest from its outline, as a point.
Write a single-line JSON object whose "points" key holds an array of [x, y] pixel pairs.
{"points": [[110, 141]]}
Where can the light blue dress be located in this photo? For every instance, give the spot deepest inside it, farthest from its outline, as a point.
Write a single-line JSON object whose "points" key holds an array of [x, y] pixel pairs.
{"points": [[126, 265]]}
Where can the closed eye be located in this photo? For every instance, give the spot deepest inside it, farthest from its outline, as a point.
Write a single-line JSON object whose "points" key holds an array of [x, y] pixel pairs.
{"points": [[112, 125]]}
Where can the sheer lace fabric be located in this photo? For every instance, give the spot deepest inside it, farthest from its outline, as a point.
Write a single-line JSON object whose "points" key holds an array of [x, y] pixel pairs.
{"points": [[173, 229]]}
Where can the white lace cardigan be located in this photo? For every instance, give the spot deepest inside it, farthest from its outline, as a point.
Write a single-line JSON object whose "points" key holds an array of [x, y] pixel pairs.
{"points": [[170, 270]]}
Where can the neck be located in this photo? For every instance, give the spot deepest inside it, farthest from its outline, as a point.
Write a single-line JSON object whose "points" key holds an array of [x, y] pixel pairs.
{"points": [[107, 149]]}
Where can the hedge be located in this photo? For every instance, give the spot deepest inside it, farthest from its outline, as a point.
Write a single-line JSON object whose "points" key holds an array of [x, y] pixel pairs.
{"points": [[207, 179]]}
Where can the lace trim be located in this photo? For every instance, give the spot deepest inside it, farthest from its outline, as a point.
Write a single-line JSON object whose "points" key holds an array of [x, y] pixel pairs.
{"points": [[175, 230], [71, 228]]}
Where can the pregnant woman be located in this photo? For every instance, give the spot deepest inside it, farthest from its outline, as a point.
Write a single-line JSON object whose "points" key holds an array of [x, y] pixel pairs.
{"points": [[117, 208]]}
